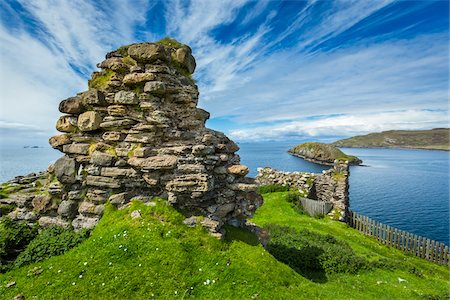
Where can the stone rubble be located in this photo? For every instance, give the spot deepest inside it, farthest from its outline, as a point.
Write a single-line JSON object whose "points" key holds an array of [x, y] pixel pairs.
{"points": [[138, 133], [330, 186]]}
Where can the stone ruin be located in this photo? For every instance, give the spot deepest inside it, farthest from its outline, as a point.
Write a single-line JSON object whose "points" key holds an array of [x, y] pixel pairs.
{"points": [[137, 133], [330, 186]]}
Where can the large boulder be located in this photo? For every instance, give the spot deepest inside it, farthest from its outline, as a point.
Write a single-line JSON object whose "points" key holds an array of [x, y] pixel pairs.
{"points": [[66, 169], [148, 52], [184, 56], [72, 105]]}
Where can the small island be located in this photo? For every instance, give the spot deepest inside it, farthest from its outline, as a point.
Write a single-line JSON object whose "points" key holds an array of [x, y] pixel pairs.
{"points": [[321, 153], [434, 139]]}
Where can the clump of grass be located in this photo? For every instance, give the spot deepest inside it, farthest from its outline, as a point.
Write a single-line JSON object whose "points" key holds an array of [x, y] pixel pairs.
{"points": [[101, 80], [170, 42], [14, 237], [308, 252], [50, 242], [123, 50]]}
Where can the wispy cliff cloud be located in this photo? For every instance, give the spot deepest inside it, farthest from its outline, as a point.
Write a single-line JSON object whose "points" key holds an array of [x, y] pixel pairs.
{"points": [[266, 69]]}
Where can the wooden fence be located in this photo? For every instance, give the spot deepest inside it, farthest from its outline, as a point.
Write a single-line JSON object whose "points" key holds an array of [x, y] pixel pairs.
{"points": [[416, 245], [315, 207]]}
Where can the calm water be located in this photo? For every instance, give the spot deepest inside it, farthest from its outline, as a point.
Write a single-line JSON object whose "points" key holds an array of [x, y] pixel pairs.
{"points": [[408, 189]]}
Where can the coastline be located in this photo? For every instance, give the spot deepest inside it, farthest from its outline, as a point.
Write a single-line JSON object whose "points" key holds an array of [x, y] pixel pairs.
{"points": [[320, 162], [394, 147]]}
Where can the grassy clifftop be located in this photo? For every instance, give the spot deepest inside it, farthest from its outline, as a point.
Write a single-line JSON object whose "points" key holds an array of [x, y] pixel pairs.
{"points": [[322, 153], [155, 256], [438, 139]]}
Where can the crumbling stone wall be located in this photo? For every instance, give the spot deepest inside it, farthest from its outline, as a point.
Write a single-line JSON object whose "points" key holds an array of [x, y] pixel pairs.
{"points": [[137, 133], [330, 186]]}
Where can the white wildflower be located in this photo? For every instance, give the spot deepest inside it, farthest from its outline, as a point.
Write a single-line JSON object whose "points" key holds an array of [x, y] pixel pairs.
{"points": [[85, 263], [73, 283], [81, 276], [200, 269], [103, 284]]}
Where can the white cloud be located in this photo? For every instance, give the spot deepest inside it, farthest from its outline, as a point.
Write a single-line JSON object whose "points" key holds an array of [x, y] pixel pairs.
{"points": [[346, 125]]}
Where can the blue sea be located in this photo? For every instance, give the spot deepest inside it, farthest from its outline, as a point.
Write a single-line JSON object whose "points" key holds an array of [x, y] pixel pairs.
{"points": [[407, 189]]}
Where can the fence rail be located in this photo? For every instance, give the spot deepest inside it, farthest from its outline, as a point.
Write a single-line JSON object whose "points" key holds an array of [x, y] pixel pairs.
{"points": [[411, 243], [315, 207]]}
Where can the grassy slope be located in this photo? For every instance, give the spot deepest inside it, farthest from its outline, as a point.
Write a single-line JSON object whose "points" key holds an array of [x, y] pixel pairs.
{"points": [[420, 139], [169, 260]]}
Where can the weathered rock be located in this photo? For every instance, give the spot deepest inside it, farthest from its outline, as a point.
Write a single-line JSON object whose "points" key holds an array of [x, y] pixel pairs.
{"points": [[94, 97], [148, 52], [101, 159], [88, 208], [163, 162], [101, 181], [53, 221], [76, 148], [135, 214], [68, 209], [59, 140], [184, 56], [114, 63], [113, 136], [190, 183], [41, 203], [125, 97], [85, 222], [72, 105], [119, 172], [66, 169], [89, 121], [67, 124], [135, 78], [238, 170], [155, 87], [117, 110]]}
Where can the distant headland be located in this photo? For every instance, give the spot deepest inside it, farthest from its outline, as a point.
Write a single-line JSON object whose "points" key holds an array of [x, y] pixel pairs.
{"points": [[434, 139]]}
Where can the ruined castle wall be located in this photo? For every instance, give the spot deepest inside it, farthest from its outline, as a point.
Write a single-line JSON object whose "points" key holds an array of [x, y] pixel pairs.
{"points": [[137, 133], [330, 186]]}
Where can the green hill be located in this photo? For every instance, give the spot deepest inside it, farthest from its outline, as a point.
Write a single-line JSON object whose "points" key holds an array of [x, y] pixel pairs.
{"points": [[438, 139], [156, 256], [322, 153]]}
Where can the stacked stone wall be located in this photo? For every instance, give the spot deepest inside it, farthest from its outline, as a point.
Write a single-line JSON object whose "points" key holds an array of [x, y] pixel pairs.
{"points": [[330, 186], [137, 133]]}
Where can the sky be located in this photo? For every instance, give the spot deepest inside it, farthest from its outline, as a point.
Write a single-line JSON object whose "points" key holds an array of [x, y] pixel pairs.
{"points": [[266, 70]]}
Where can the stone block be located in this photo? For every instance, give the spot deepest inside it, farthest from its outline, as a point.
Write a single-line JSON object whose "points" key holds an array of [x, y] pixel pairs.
{"points": [[117, 110], [155, 87], [53, 221], [67, 124], [148, 52], [93, 97], [101, 159], [85, 222], [42, 203], [59, 140], [163, 162], [190, 183], [119, 172], [101, 181], [238, 170], [184, 56], [82, 149], [66, 169], [113, 136], [68, 209], [89, 121], [72, 105], [125, 97], [136, 78]]}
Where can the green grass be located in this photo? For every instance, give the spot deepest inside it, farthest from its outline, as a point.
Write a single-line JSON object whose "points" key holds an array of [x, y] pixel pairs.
{"points": [[170, 42], [101, 80], [156, 256]]}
